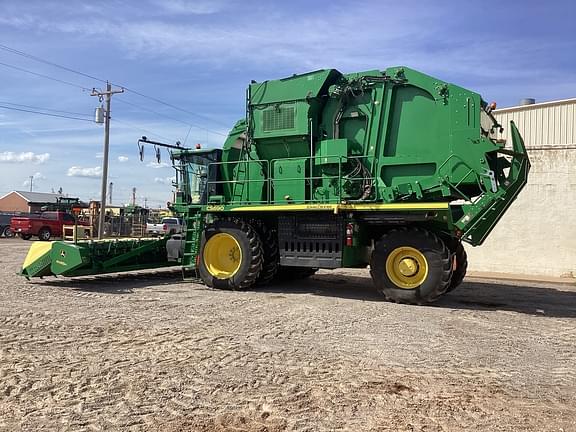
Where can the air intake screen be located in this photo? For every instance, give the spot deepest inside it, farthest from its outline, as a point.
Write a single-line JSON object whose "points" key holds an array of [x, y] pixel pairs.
{"points": [[278, 118]]}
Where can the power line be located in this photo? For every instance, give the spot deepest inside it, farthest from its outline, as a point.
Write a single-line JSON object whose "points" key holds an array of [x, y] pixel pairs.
{"points": [[177, 108], [45, 109], [41, 60], [45, 76], [46, 114], [141, 129], [170, 117], [38, 59]]}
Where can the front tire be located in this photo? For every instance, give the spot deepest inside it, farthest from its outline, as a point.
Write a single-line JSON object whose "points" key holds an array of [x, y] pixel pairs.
{"points": [[411, 266], [26, 236], [230, 255], [8, 233]]}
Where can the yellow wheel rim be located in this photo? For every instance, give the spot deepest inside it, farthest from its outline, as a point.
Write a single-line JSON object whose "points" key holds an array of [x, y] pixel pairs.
{"points": [[406, 267], [222, 256]]}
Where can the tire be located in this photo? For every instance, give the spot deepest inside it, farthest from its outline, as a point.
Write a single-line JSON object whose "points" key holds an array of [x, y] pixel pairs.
{"points": [[269, 237], [26, 236], [411, 266], [44, 234], [8, 233], [460, 267], [230, 255], [295, 273]]}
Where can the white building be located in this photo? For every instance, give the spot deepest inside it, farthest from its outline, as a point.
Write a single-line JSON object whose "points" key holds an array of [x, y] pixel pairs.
{"points": [[537, 236]]}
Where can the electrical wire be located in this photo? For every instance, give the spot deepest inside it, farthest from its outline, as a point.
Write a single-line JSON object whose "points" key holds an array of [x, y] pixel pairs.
{"points": [[41, 60], [141, 129], [45, 76], [43, 113], [45, 109], [168, 117], [175, 107]]}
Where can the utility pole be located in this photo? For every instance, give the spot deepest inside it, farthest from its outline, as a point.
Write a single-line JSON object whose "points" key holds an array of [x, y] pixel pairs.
{"points": [[111, 187], [31, 180], [107, 96]]}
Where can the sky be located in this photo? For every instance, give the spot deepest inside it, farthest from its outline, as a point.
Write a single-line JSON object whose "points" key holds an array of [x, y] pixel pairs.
{"points": [[192, 60]]}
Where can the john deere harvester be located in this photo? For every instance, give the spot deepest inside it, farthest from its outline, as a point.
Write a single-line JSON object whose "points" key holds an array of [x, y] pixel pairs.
{"points": [[389, 169]]}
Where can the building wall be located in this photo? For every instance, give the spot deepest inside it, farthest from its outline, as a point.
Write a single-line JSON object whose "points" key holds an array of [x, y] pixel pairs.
{"points": [[13, 202], [537, 236]]}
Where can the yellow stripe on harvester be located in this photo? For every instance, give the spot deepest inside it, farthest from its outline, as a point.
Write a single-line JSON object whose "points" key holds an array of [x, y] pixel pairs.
{"points": [[37, 250], [338, 207]]}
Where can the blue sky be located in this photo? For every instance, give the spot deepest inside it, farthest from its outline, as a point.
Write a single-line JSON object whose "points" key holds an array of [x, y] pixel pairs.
{"points": [[200, 55]]}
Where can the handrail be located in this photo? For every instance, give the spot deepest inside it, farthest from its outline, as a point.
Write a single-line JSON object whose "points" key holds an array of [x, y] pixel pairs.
{"points": [[268, 180]]}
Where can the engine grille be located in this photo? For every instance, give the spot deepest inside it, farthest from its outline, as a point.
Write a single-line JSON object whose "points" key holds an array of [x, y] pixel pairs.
{"points": [[278, 118], [311, 241]]}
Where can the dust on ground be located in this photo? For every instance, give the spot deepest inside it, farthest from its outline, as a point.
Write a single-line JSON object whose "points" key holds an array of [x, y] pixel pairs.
{"points": [[151, 352]]}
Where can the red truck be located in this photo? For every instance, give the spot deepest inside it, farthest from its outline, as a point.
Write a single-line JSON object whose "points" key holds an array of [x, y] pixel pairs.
{"points": [[45, 225]]}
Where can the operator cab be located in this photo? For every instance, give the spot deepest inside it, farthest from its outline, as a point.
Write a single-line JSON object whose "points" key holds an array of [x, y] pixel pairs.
{"points": [[194, 180]]}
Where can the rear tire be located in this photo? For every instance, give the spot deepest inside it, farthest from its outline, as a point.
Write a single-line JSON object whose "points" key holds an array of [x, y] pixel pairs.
{"points": [[411, 265], [230, 255], [460, 269], [8, 233], [44, 234]]}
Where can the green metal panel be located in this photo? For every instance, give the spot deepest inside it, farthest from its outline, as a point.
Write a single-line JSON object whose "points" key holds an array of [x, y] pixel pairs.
{"points": [[331, 151], [296, 87], [289, 184]]}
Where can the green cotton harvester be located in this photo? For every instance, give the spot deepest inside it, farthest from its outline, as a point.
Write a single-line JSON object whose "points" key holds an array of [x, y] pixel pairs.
{"points": [[393, 169]]}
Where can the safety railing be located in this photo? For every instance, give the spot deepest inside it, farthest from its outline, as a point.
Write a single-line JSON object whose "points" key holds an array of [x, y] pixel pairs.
{"points": [[455, 186], [75, 232], [339, 172]]}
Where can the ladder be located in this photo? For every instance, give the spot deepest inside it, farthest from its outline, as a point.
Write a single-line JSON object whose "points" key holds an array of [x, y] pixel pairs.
{"points": [[194, 229], [240, 176]]}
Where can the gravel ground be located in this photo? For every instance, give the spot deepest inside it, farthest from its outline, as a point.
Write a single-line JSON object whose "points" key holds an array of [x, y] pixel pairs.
{"points": [[150, 352]]}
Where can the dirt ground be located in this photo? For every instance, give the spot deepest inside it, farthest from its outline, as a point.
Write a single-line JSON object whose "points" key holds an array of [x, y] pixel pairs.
{"points": [[151, 352]]}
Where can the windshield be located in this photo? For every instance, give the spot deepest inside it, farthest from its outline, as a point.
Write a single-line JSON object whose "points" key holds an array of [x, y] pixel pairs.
{"points": [[197, 175], [192, 175]]}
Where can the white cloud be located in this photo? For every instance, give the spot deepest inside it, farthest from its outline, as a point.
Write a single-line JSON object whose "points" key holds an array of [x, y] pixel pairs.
{"points": [[158, 165], [164, 180], [123, 158], [84, 172], [22, 157]]}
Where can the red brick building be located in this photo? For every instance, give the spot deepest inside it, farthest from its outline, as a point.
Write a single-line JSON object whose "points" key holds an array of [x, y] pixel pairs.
{"points": [[26, 202]]}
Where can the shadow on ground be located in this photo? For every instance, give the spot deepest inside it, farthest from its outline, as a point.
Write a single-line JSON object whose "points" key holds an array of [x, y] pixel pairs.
{"points": [[527, 298], [117, 283], [532, 299]]}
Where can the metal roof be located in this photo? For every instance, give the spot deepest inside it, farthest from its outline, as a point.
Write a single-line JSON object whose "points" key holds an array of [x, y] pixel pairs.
{"points": [[544, 126], [536, 105], [39, 197]]}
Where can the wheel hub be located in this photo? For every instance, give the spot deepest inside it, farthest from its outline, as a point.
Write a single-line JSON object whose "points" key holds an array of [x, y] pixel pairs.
{"points": [[222, 256], [408, 266]]}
